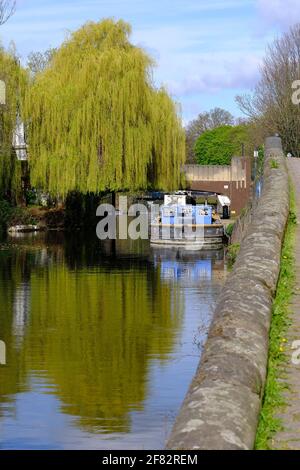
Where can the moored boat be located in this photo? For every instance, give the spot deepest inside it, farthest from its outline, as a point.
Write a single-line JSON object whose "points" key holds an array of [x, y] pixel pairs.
{"points": [[183, 223]]}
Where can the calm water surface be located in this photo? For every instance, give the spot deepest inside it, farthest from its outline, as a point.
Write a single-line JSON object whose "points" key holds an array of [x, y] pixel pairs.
{"points": [[102, 340]]}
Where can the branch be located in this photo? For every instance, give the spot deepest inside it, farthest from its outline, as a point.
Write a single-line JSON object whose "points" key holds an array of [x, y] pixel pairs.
{"points": [[7, 9]]}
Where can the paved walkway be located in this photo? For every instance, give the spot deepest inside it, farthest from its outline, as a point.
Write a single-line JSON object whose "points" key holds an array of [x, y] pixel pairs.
{"points": [[289, 439]]}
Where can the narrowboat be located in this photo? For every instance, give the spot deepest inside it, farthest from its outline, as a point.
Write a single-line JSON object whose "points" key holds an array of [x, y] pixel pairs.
{"points": [[183, 223]]}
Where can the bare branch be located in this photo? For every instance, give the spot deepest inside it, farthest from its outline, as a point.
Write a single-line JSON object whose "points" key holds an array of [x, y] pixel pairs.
{"points": [[39, 61], [7, 9], [271, 105]]}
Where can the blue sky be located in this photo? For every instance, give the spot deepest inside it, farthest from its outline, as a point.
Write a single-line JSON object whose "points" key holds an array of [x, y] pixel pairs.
{"points": [[206, 51]]}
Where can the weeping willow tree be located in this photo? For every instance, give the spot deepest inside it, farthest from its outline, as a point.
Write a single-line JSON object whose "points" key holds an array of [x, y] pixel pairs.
{"points": [[96, 122], [14, 78]]}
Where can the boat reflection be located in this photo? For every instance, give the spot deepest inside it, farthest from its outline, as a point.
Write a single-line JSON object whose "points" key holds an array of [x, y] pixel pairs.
{"points": [[188, 266]]}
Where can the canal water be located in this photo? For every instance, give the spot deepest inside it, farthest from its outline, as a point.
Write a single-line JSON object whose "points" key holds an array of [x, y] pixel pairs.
{"points": [[102, 339]]}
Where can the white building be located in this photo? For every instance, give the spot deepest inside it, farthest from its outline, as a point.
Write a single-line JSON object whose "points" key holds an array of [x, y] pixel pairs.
{"points": [[2, 93]]}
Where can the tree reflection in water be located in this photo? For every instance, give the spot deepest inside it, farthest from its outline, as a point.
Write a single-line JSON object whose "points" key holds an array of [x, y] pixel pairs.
{"points": [[90, 318]]}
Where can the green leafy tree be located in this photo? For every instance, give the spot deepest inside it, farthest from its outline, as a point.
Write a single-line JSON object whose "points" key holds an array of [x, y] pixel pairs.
{"points": [[205, 121], [96, 121], [218, 146]]}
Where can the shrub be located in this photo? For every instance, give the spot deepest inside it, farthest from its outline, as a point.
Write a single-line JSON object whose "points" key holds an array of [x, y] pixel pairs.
{"points": [[20, 216], [5, 214], [10, 215]]}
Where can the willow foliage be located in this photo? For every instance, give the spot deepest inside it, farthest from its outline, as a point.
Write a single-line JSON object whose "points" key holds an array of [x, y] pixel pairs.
{"points": [[15, 79], [96, 120]]}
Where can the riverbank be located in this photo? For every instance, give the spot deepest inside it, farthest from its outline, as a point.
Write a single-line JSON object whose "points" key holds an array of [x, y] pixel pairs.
{"points": [[32, 216]]}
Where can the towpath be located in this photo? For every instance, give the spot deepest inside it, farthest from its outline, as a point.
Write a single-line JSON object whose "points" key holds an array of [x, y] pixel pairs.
{"points": [[289, 438]]}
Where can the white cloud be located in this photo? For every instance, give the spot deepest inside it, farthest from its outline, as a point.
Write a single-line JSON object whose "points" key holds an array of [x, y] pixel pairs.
{"points": [[279, 13], [196, 60], [234, 72], [201, 46]]}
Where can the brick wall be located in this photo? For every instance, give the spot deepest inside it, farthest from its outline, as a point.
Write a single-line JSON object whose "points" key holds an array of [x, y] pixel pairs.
{"points": [[232, 180]]}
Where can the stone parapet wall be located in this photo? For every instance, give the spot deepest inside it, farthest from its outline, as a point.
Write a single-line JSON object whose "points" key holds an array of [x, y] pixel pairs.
{"points": [[222, 406]]}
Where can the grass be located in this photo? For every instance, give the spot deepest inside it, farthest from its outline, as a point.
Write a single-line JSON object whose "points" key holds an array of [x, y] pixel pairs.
{"points": [[273, 401], [229, 229], [274, 164], [232, 252]]}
